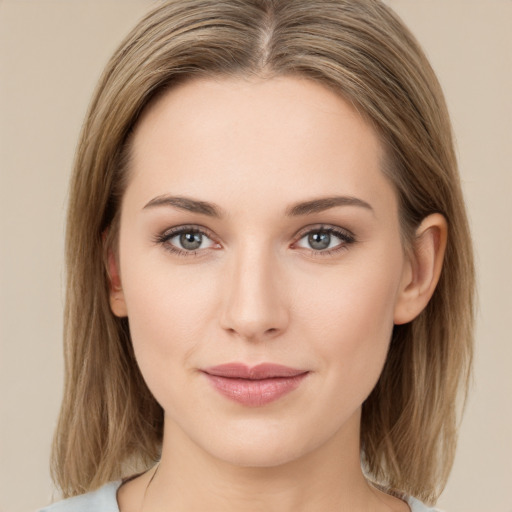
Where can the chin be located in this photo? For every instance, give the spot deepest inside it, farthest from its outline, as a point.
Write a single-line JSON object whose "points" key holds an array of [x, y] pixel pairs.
{"points": [[257, 456], [261, 447]]}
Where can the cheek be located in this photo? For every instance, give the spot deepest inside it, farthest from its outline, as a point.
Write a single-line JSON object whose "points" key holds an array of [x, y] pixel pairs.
{"points": [[351, 322], [168, 309], [353, 303]]}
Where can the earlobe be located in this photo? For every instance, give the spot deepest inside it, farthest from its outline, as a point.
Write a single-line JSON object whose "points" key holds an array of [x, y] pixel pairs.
{"points": [[117, 302], [423, 268]]}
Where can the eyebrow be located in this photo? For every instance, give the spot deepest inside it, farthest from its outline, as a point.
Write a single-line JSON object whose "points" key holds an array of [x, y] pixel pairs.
{"points": [[187, 204], [325, 203], [295, 210]]}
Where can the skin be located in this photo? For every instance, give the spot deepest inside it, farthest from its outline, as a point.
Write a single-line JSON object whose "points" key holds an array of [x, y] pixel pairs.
{"points": [[257, 291]]}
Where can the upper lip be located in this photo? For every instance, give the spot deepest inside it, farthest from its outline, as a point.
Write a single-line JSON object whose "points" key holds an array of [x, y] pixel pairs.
{"points": [[260, 371]]}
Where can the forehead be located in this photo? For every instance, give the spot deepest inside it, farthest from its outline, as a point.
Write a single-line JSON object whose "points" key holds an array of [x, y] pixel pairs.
{"points": [[254, 137]]}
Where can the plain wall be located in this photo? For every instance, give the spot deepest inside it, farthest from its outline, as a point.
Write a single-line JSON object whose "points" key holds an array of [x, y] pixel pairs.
{"points": [[51, 55]]}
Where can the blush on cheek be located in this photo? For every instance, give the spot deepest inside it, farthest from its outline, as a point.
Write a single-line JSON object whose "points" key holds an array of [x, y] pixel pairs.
{"points": [[166, 328], [355, 328]]}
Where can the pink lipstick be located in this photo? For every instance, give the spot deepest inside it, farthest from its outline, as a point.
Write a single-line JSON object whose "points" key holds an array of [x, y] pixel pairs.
{"points": [[256, 386]]}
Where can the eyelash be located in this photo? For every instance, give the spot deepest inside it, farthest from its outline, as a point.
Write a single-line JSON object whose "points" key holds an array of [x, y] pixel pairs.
{"points": [[347, 238], [167, 235]]}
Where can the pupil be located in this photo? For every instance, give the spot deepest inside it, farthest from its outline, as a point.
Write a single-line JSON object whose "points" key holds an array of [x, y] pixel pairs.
{"points": [[191, 241], [319, 240]]}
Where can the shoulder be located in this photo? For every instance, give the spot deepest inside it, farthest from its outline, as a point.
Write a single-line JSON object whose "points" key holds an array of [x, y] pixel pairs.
{"points": [[418, 506], [102, 500]]}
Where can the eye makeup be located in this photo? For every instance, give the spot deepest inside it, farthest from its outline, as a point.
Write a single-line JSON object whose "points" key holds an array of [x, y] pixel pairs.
{"points": [[191, 240]]}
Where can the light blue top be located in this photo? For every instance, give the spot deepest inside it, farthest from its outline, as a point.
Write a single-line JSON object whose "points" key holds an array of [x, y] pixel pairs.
{"points": [[105, 500]]}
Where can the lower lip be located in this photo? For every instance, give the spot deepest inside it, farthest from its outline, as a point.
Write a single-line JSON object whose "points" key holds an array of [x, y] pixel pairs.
{"points": [[255, 393]]}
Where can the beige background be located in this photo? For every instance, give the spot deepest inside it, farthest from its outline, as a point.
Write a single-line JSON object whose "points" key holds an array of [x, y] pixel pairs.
{"points": [[51, 54]]}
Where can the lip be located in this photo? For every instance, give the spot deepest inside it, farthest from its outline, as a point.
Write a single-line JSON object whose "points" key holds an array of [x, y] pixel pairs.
{"points": [[254, 386]]}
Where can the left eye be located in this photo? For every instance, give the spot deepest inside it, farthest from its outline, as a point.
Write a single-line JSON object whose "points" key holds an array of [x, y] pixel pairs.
{"points": [[323, 239]]}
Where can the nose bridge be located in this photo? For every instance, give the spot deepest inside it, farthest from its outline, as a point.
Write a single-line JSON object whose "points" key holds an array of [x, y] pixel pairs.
{"points": [[255, 303]]}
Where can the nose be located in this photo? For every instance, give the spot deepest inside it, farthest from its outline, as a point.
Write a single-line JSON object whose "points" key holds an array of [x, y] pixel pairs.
{"points": [[255, 301]]}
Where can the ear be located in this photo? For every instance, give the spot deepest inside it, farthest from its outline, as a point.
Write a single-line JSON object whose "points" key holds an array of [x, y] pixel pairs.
{"points": [[423, 268], [117, 302]]}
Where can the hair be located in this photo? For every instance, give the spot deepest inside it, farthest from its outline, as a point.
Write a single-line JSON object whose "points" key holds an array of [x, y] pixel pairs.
{"points": [[109, 422]]}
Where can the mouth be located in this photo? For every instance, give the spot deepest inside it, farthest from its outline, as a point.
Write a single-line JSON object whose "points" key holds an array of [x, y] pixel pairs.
{"points": [[254, 386]]}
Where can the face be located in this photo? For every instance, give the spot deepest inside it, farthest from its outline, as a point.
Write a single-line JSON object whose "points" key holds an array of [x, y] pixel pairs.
{"points": [[257, 227]]}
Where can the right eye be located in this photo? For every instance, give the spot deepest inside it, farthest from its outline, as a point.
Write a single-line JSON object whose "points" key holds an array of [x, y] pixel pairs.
{"points": [[185, 240]]}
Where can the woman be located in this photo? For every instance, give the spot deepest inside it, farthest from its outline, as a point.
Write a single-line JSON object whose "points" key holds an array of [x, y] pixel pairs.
{"points": [[270, 275]]}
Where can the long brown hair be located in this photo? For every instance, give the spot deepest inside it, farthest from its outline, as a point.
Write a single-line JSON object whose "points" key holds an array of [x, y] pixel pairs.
{"points": [[110, 424]]}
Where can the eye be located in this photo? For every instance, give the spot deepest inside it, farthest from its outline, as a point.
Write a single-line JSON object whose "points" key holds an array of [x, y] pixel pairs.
{"points": [[185, 241], [326, 240], [190, 241]]}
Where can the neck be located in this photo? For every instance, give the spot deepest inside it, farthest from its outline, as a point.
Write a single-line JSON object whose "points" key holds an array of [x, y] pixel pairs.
{"points": [[326, 478]]}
